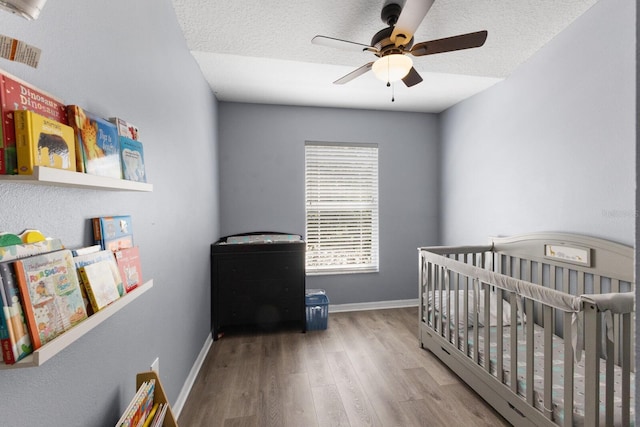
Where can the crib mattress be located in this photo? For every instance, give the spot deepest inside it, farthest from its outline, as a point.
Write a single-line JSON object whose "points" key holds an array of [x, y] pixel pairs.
{"points": [[558, 373]]}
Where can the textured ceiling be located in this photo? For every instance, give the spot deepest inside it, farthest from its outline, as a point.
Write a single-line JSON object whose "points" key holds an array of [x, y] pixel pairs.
{"points": [[261, 51]]}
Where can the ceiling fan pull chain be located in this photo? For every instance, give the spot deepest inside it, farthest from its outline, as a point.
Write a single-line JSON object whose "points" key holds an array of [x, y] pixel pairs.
{"points": [[393, 97], [388, 73]]}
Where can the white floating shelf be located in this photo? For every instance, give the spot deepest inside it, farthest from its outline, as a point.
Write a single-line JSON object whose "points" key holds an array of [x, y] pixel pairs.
{"points": [[63, 178], [50, 349]]}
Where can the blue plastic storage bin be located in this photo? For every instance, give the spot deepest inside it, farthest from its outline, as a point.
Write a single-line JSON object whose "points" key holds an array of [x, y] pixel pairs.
{"points": [[317, 311]]}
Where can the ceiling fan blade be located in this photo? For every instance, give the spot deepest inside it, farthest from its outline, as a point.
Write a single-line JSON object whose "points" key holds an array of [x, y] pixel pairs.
{"points": [[410, 18], [463, 41], [355, 73], [413, 78], [341, 44]]}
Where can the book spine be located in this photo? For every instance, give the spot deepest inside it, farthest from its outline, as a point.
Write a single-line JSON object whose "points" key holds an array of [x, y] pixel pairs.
{"points": [[27, 307], [7, 340], [84, 280], [97, 232], [3, 155], [17, 328], [24, 143]]}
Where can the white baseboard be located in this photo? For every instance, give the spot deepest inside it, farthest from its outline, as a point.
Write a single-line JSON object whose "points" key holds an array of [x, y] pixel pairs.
{"points": [[377, 305], [333, 308], [191, 378]]}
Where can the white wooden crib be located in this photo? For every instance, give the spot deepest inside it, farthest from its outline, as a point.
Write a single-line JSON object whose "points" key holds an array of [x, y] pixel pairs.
{"points": [[556, 345]]}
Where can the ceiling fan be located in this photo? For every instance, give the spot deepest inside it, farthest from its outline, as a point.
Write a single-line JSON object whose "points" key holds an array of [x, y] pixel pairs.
{"points": [[394, 44]]}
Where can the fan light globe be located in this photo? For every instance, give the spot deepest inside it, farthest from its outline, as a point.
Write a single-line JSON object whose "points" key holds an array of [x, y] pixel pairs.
{"points": [[391, 68]]}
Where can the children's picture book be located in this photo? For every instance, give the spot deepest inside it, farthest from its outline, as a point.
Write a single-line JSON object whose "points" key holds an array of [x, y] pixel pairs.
{"points": [[139, 407], [106, 256], [99, 283], [51, 295], [125, 128], [20, 342], [130, 267], [22, 250], [96, 142], [132, 156], [43, 142], [16, 94], [85, 250], [113, 232]]}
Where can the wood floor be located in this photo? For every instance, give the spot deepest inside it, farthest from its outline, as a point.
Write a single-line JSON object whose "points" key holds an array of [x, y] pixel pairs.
{"points": [[366, 369]]}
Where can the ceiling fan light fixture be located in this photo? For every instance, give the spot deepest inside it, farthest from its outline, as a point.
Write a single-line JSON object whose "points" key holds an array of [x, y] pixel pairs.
{"points": [[391, 68]]}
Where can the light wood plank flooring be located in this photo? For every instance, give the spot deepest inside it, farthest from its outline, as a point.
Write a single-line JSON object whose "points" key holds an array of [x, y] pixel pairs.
{"points": [[366, 369]]}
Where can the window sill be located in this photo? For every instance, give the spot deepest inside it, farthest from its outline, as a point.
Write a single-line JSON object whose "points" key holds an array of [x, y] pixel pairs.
{"points": [[333, 272]]}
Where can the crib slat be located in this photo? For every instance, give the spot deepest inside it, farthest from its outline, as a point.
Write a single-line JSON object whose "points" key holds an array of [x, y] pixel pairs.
{"points": [[592, 335], [626, 368], [514, 345], [487, 329], [568, 371], [580, 282], [465, 304], [446, 319], [499, 337], [615, 287], [476, 318], [548, 360], [438, 284], [456, 298], [608, 394], [529, 347], [432, 290]]}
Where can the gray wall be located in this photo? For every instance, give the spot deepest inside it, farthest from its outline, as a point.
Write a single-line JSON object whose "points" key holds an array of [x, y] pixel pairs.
{"points": [[128, 59], [262, 184], [551, 147]]}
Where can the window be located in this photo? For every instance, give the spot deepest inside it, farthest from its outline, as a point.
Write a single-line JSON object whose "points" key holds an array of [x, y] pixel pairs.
{"points": [[341, 195]]}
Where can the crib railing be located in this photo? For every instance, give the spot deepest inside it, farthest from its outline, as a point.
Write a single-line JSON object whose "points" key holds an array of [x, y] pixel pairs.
{"points": [[458, 285]]}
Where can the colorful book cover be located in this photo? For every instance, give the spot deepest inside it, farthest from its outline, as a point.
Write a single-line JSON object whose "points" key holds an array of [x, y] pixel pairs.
{"points": [[22, 250], [14, 315], [132, 156], [99, 284], [16, 94], [43, 142], [51, 295], [125, 128], [102, 256], [96, 139], [130, 267], [113, 232]]}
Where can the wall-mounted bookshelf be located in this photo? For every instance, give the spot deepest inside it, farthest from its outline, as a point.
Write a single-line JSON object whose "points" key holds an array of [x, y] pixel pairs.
{"points": [[50, 349], [63, 178]]}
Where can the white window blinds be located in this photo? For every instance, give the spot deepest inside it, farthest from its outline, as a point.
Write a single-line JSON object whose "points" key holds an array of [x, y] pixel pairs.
{"points": [[341, 187]]}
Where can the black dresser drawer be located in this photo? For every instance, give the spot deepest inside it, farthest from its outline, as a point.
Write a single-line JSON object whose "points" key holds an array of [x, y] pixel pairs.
{"points": [[257, 286]]}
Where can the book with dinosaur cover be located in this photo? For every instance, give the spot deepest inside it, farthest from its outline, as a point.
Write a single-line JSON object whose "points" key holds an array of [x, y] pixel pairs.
{"points": [[43, 142], [113, 232], [132, 155], [96, 142], [51, 295], [16, 94]]}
